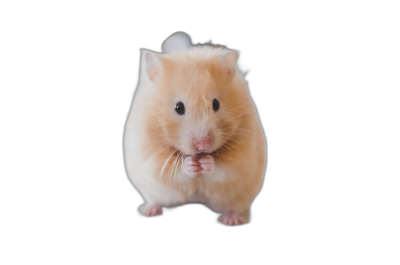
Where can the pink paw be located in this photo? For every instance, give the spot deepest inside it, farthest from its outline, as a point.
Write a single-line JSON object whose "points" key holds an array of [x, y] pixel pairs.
{"points": [[231, 219], [191, 166], [150, 210], [207, 164], [196, 165]]}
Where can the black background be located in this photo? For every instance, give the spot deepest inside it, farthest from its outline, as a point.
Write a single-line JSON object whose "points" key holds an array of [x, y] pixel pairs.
{"points": [[98, 79]]}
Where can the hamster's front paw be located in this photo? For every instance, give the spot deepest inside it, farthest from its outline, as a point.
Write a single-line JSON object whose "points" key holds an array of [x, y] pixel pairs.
{"points": [[207, 164], [191, 166], [150, 210]]}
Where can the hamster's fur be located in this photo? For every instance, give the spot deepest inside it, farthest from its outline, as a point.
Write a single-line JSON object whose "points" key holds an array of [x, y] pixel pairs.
{"points": [[209, 155]]}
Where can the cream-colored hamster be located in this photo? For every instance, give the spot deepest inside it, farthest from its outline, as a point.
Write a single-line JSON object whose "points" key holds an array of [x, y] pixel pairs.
{"points": [[193, 134]]}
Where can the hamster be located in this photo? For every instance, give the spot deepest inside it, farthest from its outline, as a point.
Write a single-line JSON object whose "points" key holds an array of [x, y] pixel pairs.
{"points": [[193, 134]]}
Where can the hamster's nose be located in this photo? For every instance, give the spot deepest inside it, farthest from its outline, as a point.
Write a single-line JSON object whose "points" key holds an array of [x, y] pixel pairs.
{"points": [[202, 144]]}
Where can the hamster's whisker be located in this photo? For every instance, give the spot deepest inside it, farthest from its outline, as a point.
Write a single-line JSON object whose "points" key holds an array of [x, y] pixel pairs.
{"points": [[177, 165], [181, 157], [240, 142], [237, 116], [238, 128], [182, 165], [237, 132], [150, 160], [166, 162], [227, 138], [171, 169], [229, 147], [172, 173], [245, 130]]}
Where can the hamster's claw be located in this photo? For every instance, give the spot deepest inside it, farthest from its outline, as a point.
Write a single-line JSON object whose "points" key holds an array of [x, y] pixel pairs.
{"points": [[150, 210], [231, 219]]}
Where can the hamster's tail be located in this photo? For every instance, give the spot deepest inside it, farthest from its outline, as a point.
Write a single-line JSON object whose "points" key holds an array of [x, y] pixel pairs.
{"points": [[177, 42]]}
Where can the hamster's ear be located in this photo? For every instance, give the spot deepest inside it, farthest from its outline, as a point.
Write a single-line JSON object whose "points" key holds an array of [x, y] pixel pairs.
{"points": [[151, 66], [228, 63], [177, 42]]}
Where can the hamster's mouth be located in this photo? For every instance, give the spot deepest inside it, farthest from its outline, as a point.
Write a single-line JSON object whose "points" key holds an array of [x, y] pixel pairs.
{"points": [[198, 154]]}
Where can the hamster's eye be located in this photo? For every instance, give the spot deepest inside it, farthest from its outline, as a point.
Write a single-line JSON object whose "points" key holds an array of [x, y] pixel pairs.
{"points": [[215, 104], [180, 108]]}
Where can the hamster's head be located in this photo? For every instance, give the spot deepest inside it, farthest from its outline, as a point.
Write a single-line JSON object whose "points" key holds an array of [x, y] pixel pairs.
{"points": [[197, 99]]}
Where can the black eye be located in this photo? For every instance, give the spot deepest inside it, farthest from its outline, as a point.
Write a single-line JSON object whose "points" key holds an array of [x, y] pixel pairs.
{"points": [[180, 108], [215, 104]]}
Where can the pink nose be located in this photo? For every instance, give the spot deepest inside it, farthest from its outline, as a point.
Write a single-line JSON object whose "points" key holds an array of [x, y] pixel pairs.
{"points": [[202, 144]]}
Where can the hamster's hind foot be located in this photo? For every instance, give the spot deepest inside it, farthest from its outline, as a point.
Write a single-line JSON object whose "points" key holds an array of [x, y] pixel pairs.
{"points": [[231, 219], [150, 210]]}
